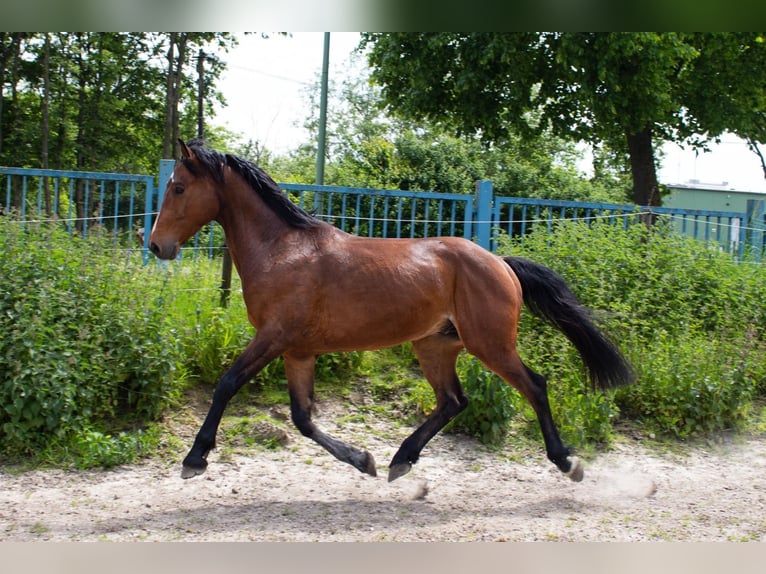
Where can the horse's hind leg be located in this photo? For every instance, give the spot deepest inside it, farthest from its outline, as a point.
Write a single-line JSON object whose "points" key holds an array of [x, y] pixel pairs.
{"points": [[437, 356], [300, 383], [559, 454], [534, 388]]}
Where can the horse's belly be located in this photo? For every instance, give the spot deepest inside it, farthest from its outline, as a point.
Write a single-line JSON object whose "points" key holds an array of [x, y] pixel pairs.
{"points": [[379, 328]]}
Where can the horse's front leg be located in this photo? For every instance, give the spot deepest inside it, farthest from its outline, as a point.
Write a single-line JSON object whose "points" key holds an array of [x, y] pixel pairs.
{"points": [[256, 356], [300, 383]]}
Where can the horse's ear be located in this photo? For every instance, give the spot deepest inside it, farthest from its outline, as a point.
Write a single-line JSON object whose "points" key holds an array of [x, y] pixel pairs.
{"points": [[186, 152]]}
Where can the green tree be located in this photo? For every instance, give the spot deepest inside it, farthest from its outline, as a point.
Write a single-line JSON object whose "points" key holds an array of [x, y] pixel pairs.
{"points": [[189, 68], [628, 91], [97, 101], [368, 148], [11, 75]]}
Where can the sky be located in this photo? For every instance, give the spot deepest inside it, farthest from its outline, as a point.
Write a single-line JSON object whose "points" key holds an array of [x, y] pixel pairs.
{"points": [[266, 86], [730, 165], [267, 80]]}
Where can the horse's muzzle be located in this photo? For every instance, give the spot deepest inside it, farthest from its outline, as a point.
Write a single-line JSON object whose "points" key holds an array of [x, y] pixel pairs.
{"points": [[167, 251]]}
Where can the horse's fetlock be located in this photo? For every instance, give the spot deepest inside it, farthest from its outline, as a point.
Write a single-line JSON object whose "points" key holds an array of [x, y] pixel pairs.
{"points": [[561, 459], [303, 423]]}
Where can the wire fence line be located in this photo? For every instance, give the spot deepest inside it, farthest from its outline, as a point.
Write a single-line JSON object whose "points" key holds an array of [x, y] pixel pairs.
{"points": [[96, 219], [127, 205], [213, 248], [331, 218]]}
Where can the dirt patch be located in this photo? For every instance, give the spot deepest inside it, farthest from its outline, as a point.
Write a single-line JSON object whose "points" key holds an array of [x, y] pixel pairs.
{"points": [[458, 491]]}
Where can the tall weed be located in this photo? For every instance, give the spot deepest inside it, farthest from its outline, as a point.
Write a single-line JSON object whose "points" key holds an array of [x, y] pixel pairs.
{"points": [[84, 343], [491, 403], [689, 317]]}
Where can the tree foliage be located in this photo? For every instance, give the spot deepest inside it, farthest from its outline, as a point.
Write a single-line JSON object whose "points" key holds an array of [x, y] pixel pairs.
{"points": [[626, 90], [103, 101], [368, 148], [106, 99]]}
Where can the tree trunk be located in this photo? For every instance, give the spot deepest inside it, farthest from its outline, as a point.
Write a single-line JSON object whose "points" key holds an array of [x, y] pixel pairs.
{"points": [[3, 60], [45, 127], [173, 96], [81, 141], [752, 143], [167, 140], [646, 191], [60, 98], [182, 43], [9, 70]]}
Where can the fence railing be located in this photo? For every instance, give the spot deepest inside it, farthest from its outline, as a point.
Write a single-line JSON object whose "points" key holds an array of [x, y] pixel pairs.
{"points": [[120, 203], [518, 216], [387, 213], [83, 201]]}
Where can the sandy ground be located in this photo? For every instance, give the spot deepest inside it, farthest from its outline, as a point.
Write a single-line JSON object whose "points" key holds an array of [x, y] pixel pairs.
{"points": [[458, 491]]}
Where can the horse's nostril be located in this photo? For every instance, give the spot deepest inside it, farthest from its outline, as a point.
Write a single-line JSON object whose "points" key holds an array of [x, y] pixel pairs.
{"points": [[154, 248]]}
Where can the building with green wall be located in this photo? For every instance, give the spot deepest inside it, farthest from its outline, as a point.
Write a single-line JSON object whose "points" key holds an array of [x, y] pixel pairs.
{"points": [[750, 230], [709, 197]]}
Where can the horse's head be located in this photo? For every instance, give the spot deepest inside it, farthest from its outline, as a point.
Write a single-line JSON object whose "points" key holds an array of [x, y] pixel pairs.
{"points": [[190, 201]]}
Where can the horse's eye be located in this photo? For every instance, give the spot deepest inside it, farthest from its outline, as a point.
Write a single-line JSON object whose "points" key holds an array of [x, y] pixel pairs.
{"points": [[178, 190]]}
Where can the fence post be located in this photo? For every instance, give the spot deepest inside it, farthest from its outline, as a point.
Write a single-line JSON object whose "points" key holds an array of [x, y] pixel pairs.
{"points": [[483, 213], [165, 171], [754, 227]]}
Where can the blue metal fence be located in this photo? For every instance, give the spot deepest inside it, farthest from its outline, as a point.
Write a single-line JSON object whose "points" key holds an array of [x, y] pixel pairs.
{"points": [[518, 216], [125, 203], [83, 201], [387, 213]]}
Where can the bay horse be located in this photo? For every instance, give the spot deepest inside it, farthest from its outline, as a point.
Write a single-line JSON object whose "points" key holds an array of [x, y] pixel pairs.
{"points": [[310, 288]]}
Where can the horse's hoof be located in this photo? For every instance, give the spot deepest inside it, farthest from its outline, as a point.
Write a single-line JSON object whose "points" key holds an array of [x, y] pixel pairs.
{"points": [[398, 470], [189, 472], [368, 465], [576, 471], [363, 462]]}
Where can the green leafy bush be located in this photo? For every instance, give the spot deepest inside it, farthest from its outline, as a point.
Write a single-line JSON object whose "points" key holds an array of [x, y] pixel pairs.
{"points": [[689, 386], [84, 343], [491, 403], [688, 316], [90, 448]]}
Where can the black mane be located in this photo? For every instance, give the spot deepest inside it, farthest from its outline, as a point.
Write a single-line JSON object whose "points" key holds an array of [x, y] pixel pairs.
{"points": [[277, 200]]}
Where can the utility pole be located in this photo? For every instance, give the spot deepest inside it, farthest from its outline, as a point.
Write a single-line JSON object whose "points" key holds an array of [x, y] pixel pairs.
{"points": [[321, 139]]}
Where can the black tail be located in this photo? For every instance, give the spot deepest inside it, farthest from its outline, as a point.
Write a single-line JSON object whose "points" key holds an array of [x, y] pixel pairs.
{"points": [[547, 295]]}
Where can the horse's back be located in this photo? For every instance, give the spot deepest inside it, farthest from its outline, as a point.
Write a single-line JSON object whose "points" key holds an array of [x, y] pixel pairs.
{"points": [[451, 276]]}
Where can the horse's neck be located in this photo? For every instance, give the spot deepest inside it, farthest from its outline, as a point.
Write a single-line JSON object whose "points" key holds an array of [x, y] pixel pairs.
{"points": [[250, 226]]}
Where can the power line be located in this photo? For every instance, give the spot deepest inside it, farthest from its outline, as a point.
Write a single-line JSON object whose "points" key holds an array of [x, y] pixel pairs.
{"points": [[270, 74]]}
